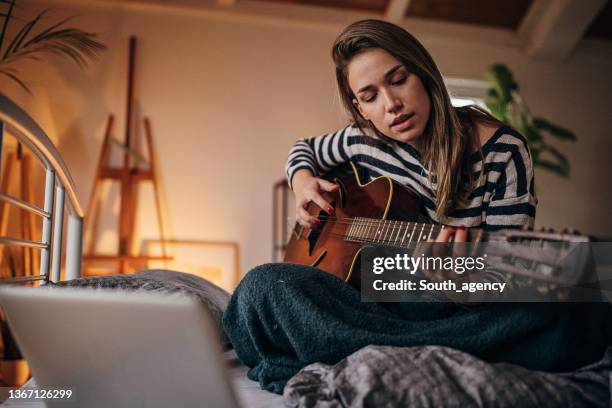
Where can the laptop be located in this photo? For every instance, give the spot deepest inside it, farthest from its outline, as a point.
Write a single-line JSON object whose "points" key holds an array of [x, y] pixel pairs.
{"points": [[119, 349]]}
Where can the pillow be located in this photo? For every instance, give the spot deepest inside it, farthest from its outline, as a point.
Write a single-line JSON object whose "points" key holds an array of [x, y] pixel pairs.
{"points": [[214, 298]]}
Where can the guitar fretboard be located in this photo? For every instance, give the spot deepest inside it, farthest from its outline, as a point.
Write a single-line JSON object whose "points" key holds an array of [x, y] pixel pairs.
{"points": [[389, 232]]}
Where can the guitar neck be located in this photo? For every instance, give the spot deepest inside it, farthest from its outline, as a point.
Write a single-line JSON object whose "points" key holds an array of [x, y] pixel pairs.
{"points": [[405, 233], [398, 233]]}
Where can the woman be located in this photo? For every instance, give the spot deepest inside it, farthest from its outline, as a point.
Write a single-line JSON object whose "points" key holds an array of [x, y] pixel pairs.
{"points": [[469, 171]]}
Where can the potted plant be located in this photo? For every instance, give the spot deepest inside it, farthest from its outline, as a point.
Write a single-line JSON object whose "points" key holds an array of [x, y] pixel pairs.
{"points": [[29, 41], [507, 105]]}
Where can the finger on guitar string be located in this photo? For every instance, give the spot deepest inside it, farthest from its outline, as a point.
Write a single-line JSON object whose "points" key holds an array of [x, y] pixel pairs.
{"points": [[460, 246], [305, 219], [308, 189], [445, 236]]}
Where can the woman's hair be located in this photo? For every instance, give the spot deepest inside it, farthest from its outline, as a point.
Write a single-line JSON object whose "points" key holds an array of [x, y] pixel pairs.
{"points": [[450, 135]]}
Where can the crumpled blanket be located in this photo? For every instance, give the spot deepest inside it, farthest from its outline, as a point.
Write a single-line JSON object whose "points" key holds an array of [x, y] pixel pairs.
{"points": [[283, 317], [433, 376]]}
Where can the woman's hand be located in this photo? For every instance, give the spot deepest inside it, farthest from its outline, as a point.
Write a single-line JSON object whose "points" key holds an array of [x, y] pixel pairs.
{"points": [[443, 246], [307, 188]]}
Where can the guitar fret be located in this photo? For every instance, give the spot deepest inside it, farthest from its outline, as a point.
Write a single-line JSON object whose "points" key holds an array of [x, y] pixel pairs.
{"points": [[399, 229], [405, 232], [392, 228], [377, 236], [431, 231], [359, 231], [387, 231], [421, 233], [412, 233], [350, 229], [371, 226], [362, 230]]}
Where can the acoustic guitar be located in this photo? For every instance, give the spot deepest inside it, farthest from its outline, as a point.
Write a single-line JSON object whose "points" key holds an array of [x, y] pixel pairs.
{"points": [[382, 212]]}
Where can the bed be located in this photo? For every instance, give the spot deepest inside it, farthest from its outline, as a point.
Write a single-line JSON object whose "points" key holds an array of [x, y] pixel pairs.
{"points": [[248, 392], [372, 376], [60, 199]]}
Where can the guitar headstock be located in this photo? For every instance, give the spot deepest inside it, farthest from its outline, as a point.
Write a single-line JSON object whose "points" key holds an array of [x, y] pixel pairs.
{"points": [[553, 263], [543, 235]]}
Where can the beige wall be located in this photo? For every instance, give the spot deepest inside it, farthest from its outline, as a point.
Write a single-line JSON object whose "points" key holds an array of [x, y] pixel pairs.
{"points": [[228, 96]]}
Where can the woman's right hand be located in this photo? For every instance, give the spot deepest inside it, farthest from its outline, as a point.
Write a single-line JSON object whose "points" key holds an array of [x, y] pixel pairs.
{"points": [[308, 188]]}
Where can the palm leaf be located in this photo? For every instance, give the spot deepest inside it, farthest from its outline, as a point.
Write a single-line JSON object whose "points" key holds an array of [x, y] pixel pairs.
{"points": [[11, 74], [7, 18], [45, 32], [14, 44], [72, 43]]}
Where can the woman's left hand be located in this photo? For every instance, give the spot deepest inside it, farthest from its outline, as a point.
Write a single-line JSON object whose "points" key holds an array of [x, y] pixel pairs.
{"points": [[444, 246]]}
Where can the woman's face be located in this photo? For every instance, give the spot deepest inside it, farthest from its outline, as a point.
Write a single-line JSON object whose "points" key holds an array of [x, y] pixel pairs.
{"points": [[392, 98]]}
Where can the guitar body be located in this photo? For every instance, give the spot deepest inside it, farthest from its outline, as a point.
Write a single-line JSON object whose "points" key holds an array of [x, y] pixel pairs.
{"points": [[324, 247]]}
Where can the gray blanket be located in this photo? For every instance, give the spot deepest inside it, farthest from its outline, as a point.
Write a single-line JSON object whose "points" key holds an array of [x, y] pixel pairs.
{"points": [[377, 376], [214, 298], [433, 376]]}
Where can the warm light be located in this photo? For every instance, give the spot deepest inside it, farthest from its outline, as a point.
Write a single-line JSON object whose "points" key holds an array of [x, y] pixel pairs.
{"points": [[217, 262]]}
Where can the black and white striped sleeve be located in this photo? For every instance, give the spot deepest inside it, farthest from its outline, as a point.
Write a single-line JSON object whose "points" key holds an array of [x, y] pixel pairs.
{"points": [[319, 154], [513, 203]]}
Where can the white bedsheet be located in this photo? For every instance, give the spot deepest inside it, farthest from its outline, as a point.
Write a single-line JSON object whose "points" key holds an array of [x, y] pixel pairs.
{"points": [[248, 392]]}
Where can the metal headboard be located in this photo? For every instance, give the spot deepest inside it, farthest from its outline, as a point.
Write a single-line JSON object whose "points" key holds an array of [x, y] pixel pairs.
{"points": [[58, 186]]}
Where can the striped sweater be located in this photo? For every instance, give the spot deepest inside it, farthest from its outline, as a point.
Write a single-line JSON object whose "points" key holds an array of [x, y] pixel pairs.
{"points": [[504, 199]]}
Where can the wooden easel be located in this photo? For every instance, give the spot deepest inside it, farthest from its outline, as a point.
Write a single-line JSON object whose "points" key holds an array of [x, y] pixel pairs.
{"points": [[129, 175]]}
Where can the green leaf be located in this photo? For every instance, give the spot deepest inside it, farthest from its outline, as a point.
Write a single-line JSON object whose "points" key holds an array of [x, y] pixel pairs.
{"points": [[12, 75], [72, 43], [554, 167], [7, 18], [42, 34], [562, 161], [497, 109], [14, 45], [553, 150], [554, 130], [532, 134], [500, 78]]}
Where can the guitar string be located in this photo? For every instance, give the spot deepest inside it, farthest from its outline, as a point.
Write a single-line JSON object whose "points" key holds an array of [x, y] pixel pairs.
{"points": [[426, 231], [372, 222], [383, 225], [386, 225]]}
